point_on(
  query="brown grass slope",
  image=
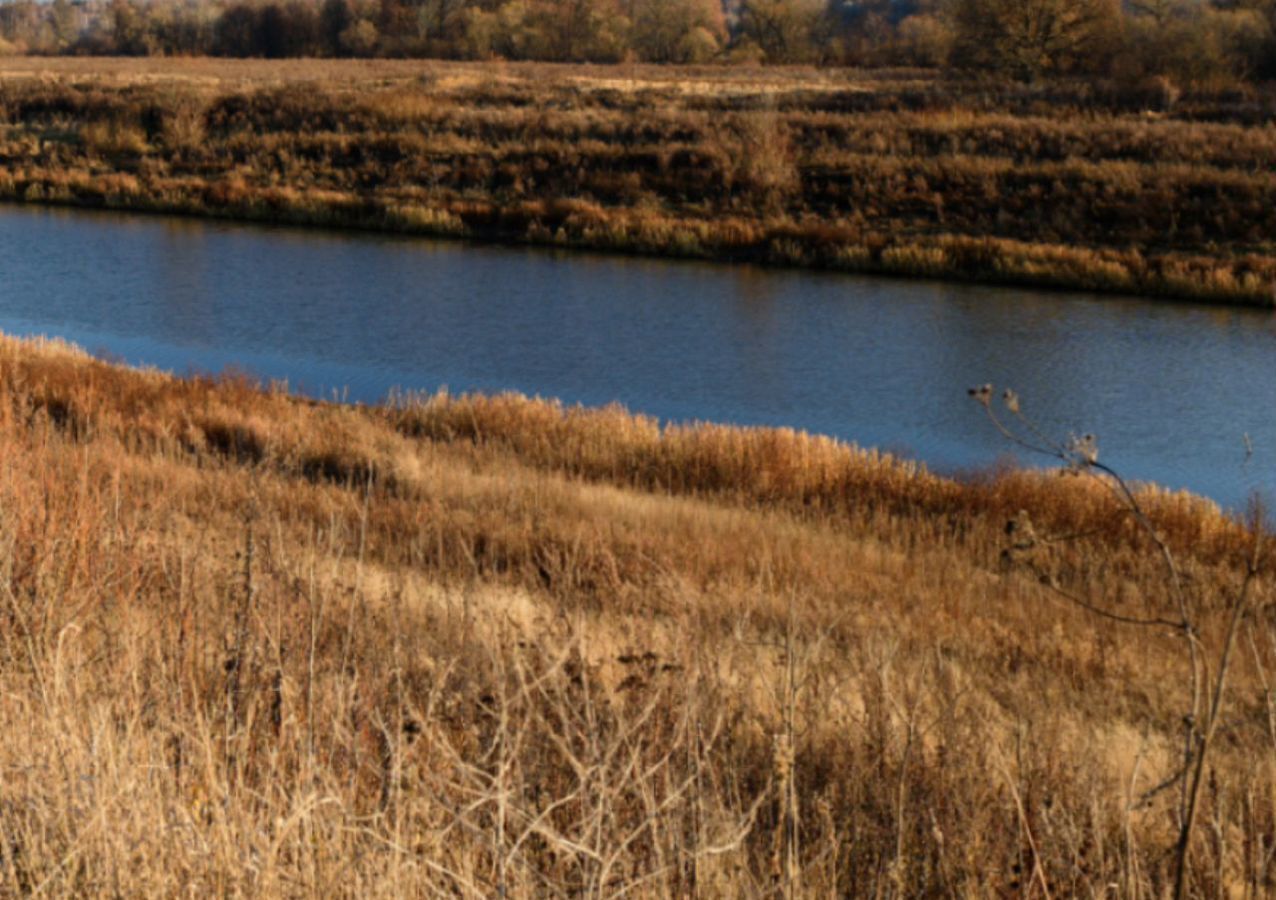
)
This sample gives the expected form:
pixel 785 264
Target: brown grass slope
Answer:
pixel 252 645
pixel 1067 185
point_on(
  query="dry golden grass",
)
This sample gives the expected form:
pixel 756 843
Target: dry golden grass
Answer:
pixel 255 645
pixel 1072 185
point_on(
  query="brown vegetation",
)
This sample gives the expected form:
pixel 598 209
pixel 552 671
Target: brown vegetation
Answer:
pixel 900 174
pixel 486 645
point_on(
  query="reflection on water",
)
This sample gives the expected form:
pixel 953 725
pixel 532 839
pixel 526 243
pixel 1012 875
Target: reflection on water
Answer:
pixel 1170 389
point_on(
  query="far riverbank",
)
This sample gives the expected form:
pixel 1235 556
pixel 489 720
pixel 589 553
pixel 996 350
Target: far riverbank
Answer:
pixel 902 173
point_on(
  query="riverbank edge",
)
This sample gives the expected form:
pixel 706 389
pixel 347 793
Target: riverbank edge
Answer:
pixel 578 225
pixel 782 468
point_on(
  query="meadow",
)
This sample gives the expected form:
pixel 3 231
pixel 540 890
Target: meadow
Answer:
pixel 478 646
pixel 1076 184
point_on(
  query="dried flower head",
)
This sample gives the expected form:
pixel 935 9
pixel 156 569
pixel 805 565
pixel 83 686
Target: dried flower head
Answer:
pixel 982 394
pixel 1085 448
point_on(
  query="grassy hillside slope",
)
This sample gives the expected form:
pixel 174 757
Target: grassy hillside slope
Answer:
pixel 254 645
pixel 1071 185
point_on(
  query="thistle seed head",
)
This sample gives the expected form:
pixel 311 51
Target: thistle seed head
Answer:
pixel 982 394
pixel 1085 448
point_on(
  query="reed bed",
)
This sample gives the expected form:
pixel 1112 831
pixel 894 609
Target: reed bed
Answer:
pixel 1071 185
pixel 474 646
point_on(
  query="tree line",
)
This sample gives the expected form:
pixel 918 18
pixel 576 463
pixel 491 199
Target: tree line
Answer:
pixel 1185 42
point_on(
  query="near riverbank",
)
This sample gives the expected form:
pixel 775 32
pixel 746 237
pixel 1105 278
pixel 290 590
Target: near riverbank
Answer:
pixel 487 645
pixel 1077 185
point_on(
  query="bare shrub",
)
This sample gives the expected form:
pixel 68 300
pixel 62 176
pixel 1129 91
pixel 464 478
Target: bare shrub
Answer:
pixel 762 156
pixel 185 126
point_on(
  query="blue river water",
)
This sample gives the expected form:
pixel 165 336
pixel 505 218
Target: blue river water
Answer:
pixel 1176 393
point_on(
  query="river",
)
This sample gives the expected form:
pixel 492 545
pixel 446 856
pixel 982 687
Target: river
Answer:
pixel 1173 391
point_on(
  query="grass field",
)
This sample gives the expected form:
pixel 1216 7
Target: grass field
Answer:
pixel 464 646
pixel 1078 185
